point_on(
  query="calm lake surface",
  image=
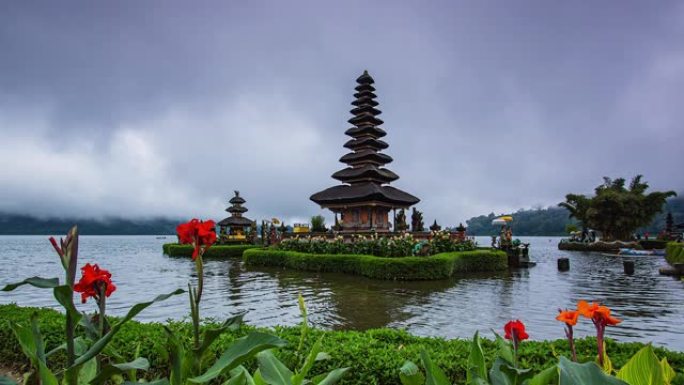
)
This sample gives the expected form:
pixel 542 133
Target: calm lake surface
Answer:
pixel 651 306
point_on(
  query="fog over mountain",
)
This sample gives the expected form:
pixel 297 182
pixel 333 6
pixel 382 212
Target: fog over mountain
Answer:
pixel 163 108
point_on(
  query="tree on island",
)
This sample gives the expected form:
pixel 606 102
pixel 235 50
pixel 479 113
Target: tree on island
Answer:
pixel 318 224
pixel 615 210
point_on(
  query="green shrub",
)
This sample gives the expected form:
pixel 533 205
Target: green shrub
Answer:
pixel 674 253
pixel 379 245
pixel 374 356
pixel 216 251
pixel 438 266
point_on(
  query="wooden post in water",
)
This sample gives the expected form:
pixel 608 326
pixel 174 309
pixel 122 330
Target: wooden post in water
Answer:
pixel 563 264
pixel 628 266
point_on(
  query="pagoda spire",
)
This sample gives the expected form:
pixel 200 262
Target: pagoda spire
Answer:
pixel 365 160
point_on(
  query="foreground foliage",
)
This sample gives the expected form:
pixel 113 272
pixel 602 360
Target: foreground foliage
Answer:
pixel 674 253
pixel 374 356
pixel 216 251
pixel 438 266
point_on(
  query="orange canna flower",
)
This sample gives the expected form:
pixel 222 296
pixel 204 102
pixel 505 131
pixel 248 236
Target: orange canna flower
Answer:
pixel 587 310
pixel 603 314
pixel 569 317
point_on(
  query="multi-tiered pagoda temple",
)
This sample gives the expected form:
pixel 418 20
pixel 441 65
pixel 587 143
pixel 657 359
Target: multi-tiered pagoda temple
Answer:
pixel 364 200
pixel 235 226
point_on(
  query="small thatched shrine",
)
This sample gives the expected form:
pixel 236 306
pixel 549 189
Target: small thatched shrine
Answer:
pixel 235 227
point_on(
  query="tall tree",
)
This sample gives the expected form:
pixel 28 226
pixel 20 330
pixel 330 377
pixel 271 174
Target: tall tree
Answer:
pixel 616 210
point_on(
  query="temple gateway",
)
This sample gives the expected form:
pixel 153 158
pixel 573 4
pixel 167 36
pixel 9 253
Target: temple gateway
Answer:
pixel 364 200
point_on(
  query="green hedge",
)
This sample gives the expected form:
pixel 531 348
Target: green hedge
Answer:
pixel 374 356
pixel 216 251
pixel 438 266
pixel 674 253
pixel 652 244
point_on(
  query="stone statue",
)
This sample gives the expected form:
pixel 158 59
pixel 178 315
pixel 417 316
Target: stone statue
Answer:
pixel 401 221
pixel 417 221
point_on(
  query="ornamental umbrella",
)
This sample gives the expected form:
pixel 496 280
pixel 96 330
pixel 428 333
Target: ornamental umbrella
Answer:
pixel 499 222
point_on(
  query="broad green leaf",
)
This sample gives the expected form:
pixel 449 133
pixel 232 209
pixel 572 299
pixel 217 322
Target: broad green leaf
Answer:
pixel 176 354
pixel 545 377
pixel 571 373
pixel 505 350
pixel 272 370
pixel 87 372
pixel 642 369
pixel 258 380
pixel 211 334
pixel 102 342
pixel 240 351
pixel 238 379
pixel 476 361
pixel 433 374
pixel 607 363
pixel 497 376
pixel 409 374
pixel 25 336
pixel 7 381
pixel 80 347
pixel 333 377
pixel 64 295
pixel 109 370
pixel 242 370
pixel 298 378
pixel 668 373
pixel 42 283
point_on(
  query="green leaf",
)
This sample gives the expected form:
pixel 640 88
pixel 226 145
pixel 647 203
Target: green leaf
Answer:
pixel 333 377
pixel 87 372
pixel 298 378
pixel 240 351
pixel 497 375
pixel 272 370
pixel 571 373
pixel 241 370
pixel 668 373
pixel 476 361
pixel 433 374
pixel 505 350
pixel 176 354
pixel 42 283
pixel 238 379
pixel 211 334
pixel 102 342
pixel 643 369
pixel 109 370
pixel 30 347
pixel 65 296
pixel 545 377
pixel 409 374
pixel 80 347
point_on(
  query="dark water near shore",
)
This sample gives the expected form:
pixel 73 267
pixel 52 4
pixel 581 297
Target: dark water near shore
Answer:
pixel 652 306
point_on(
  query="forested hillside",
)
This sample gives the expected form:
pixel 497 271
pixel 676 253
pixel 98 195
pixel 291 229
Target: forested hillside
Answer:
pixel 553 220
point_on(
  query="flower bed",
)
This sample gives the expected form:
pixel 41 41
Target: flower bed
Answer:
pixel 438 266
pixel 674 253
pixel 374 356
pixel 216 251
pixel 378 245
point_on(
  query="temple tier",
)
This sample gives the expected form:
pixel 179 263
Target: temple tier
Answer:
pixel 363 200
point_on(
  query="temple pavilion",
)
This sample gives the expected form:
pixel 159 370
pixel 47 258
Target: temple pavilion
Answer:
pixel 235 227
pixel 364 198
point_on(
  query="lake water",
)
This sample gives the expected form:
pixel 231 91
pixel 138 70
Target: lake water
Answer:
pixel 651 306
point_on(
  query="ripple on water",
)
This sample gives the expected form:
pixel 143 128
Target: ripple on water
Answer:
pixel 649 304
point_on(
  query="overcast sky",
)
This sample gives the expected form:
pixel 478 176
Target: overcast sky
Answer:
pixel 153 108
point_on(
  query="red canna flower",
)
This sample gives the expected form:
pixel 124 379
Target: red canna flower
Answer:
pixel 92 281
pixel 200 234
pixel 515 330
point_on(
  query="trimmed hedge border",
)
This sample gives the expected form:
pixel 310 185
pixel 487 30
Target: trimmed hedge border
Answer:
pixel 674 253
pixel 374 356
pixel 439 266
pixel 216 251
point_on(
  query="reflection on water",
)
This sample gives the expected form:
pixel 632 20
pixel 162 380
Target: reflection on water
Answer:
pixel 650 304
